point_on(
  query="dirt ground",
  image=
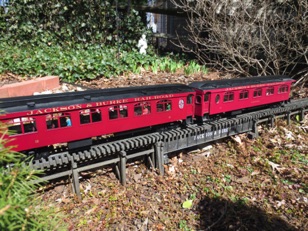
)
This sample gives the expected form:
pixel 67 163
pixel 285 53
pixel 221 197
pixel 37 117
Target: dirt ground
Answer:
pixel 148 78
pixel 233 184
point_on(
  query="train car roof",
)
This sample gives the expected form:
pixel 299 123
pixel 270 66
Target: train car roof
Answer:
pixel 227 83
pixel 15 104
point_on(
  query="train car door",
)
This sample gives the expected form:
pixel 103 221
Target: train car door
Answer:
pixel 198 105
pixel 206 102
pixel 189 104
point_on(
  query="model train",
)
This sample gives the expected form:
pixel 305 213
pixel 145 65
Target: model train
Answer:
pixel 37 123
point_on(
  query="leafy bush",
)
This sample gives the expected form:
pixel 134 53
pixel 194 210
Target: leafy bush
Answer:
pixel 83 62
pixel 70 64
pixel 19 210
pixel 55 21
pixel 76 40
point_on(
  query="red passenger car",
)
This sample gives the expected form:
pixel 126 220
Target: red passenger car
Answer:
pixel 75 118
pixel 232 96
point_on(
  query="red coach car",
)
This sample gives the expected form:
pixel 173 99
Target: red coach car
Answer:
pixel 232 96
pixel 75 118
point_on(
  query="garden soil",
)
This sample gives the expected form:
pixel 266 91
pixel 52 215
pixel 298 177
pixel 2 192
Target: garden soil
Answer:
pixel 232 184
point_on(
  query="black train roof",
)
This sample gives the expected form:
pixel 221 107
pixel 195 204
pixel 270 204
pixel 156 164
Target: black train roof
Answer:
pixel 15 104
pixel 224 83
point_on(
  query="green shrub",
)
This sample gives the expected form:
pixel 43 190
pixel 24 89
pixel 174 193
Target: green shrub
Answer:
pixel 76 40
pixel 82 62
pixel 73 22
pixel 19 208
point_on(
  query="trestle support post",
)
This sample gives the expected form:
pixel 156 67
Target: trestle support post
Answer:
pixel 75 179
pixel 301 115
pixel 254 133
pixel 122 167
pixel 272 121
pixel 288 118
pixel 159 157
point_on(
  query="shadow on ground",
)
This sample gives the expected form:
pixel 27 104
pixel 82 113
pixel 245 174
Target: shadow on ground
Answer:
pixel 219 214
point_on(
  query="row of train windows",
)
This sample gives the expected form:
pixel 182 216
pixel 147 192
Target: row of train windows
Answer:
pixel 144 108
pixel 60 120
pixel 229 96
pixel 28 124
pixel 21 125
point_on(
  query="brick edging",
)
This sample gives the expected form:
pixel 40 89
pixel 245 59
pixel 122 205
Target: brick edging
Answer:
pixel 29 87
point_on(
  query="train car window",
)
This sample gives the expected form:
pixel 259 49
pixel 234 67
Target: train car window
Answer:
pixel 244 94
pixel 118 111
pixel 22 125
pixel 90 116
pixel 217 98
pixel 113 112
pixel 257 92
pixel 14 126
pixel 189 99
pixel 228 96
pixel 164 105
pixel 206 97
pixel 270 91
pixel 142 108
pixel 58 120
pixel 85 116
pixel 123 111
pixel 96 115
pixel 283 89
pixel 198 99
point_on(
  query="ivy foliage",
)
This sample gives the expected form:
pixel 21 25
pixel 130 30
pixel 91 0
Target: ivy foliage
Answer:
pixel 76 40
pixel 86 63
pixel 68 22
pixel 70 64
pixel 19 208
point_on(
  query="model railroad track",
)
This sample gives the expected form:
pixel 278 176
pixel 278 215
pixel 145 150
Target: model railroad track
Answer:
pixel 155 147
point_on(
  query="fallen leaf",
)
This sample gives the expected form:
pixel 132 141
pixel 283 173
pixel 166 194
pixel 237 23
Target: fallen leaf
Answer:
pixel 243 180
pixel 160 227
pixel 230 165
pixel 206 154
pixel 88 188
pixel 187 204
pixel 91 210
pixel 137 177
pixel 256 172
pixel 237 139
pixel 171 170
pixel 207 148
pixel 276 167
pixel 280 203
